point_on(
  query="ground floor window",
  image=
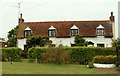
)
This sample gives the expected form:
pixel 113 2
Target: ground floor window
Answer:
pixel 72 45
pixel 90 43
pixel 100 45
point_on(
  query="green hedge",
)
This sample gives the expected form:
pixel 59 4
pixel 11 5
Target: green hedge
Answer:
pixel 110 59
pixel 36 53
pixel 81 55
pixel 11 54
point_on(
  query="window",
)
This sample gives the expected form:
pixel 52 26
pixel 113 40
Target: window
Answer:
pixel 100 45
pixel 100 32
pixel 74 32
pixel 52 31
pixel 27 33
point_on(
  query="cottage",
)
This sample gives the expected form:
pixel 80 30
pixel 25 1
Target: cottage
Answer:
pixel 97 32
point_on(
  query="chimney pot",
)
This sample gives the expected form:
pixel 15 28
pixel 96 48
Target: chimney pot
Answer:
pixel 111 13
pixel 112 17
pixel 21 15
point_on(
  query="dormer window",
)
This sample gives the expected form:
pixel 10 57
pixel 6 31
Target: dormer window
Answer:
pixel 27 32
pixel 52 31
pixel 74 30
pixel 100 30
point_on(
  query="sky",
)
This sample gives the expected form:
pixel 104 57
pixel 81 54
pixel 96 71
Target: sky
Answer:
pixel 55 10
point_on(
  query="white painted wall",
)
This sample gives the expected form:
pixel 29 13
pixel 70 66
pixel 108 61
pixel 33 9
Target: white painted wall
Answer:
pixel 21 43
pixel 68 41
pixel 63 41
pixel 100 40
pixel 96 40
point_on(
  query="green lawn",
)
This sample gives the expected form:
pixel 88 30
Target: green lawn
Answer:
pixel 36 68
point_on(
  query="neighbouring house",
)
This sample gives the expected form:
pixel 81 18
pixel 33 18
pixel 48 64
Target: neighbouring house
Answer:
pixel 97 32
pixel 2 42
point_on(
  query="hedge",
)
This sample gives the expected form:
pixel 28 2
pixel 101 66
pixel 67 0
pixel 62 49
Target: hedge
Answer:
pixel 35 53
pixel 11 54
pixel 81 55
pixel 110 59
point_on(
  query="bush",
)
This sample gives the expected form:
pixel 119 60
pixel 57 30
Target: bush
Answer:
pixel 81 55
pixel 110 59
pixel 11 54
pixel 90 64
pixel 56 55
pixel 35 53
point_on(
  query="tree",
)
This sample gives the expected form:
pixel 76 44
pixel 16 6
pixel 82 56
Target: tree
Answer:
pixel 116 44
pixel 79 41
pixel 33 41
pixel 12 40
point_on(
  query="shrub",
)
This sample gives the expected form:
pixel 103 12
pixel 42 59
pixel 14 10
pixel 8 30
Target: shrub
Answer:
pixel 35 53
pixel 90 64
pixel 110 59
pixel 56 55
pixel 11 54
pixel 81 55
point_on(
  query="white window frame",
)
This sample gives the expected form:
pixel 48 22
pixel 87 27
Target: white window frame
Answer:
pixel 52 33
pixel 74 32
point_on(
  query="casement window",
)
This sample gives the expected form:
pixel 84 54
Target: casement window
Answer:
pixel 100 30
pixel 74 30
pixel 27 32
pixel 100 45
pixel 52 31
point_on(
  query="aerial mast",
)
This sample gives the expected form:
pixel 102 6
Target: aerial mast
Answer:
pixel 19 7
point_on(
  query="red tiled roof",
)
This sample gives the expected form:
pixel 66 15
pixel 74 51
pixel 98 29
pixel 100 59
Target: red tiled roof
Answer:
pixel 86 28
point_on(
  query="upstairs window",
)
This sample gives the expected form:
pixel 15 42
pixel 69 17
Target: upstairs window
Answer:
pixel 100 30
pixel 27 32
pixel 74 30
pixel 52 32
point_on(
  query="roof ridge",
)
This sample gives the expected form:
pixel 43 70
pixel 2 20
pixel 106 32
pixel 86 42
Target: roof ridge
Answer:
pixel 68 21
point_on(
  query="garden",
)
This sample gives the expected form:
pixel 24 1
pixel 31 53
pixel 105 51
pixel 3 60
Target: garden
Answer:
pixel 58 60
pixel 79 59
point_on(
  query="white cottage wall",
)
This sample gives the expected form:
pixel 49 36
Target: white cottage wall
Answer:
pixel 100 40
pixel 21 43
pixel 68 41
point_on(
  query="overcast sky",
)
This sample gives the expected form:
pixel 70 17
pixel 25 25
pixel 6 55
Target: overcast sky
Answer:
pixel 54 10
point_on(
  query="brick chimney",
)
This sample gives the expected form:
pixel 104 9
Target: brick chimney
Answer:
pixel 112 17
pixel 21 20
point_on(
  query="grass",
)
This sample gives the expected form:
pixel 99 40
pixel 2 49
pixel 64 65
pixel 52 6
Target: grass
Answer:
pixel 36 68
